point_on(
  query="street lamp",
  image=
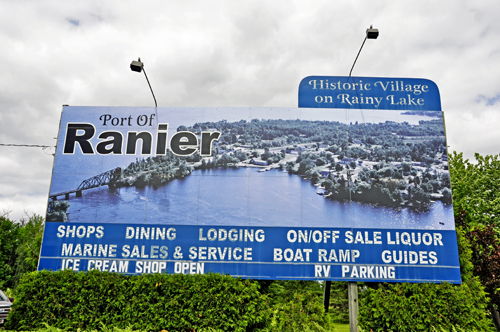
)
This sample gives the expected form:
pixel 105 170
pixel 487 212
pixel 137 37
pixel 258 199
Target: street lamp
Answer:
pixel 370 34
pixel 352 287
pixel 138 66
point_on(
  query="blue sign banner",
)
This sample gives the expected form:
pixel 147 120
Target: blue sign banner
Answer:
pixel 379 93
pixel 263 193
pixel 254 252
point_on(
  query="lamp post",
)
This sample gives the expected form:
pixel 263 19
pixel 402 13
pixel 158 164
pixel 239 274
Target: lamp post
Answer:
pixel 370 34
pixel 138 66
pixel 352 287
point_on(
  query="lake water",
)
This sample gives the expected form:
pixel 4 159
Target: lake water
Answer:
pixel 70 170
pixel 244 197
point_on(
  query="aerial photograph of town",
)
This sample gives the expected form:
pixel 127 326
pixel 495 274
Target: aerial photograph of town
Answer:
pixel 393 171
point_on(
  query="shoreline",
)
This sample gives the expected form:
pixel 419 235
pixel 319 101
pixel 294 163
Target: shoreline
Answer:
pixel 365 215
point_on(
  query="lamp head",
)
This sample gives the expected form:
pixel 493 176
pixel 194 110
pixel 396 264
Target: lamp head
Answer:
pixel 137 65
pixel 371 33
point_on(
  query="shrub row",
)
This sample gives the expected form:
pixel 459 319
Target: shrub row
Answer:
pixel 211 302
pixel 418 307
pixel 155 302
pixel 424 307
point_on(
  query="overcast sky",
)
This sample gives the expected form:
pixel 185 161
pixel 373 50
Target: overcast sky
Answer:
pixel 229 53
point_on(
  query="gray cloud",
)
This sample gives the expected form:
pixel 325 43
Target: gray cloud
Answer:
pixel 228 53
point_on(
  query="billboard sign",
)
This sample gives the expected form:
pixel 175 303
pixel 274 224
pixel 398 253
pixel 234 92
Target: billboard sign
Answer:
pixel 264 193
pixel 378 93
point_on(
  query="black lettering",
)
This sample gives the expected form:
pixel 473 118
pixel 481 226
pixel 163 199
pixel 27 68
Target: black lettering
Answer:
pixel 146 138
pixel 105 118
pixel 72 138
pixel 161 144
pixel 142 120
pixel 206 142
pixel 116 142
pixel 180 142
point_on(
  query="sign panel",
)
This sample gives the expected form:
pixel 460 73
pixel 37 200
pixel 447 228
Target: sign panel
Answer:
pixel 264 193
pixel 380 93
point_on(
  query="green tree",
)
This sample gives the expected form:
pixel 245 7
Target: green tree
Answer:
pixel 406 166
pixel 19 248
pixel 419 196
pixel 9 241
pixel 58 211
pixel 28 249
pixel 445 180
pixel 305 165
pixel 476 189
pixel 298 306
pixel 446 196
pixel 476 203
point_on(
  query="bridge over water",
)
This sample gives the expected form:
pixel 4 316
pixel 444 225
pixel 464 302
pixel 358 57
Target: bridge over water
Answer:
pixel 106 178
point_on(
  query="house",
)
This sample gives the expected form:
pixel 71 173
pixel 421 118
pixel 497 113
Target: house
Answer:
pixel 325 173
pixel 258 162
pixel 346 160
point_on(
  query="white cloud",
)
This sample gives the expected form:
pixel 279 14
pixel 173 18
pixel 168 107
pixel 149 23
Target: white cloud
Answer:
pixel 229 53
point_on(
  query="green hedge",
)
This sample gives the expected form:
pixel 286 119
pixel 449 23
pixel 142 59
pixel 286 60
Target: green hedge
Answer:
pixel 155 302
pixel 428 307
pixel 419 307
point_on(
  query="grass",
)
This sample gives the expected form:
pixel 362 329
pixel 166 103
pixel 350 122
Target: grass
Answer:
pixel 341 327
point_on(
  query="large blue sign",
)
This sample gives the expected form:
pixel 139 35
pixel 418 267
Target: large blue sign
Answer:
pixel 281 193
pixel 380 93
pixel 255 252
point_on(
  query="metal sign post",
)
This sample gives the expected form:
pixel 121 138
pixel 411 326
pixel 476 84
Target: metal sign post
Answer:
pixel 352 289
pixel 326 294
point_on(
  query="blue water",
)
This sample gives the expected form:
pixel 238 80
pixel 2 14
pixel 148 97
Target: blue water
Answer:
pixel 70 170
pixel 244 197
